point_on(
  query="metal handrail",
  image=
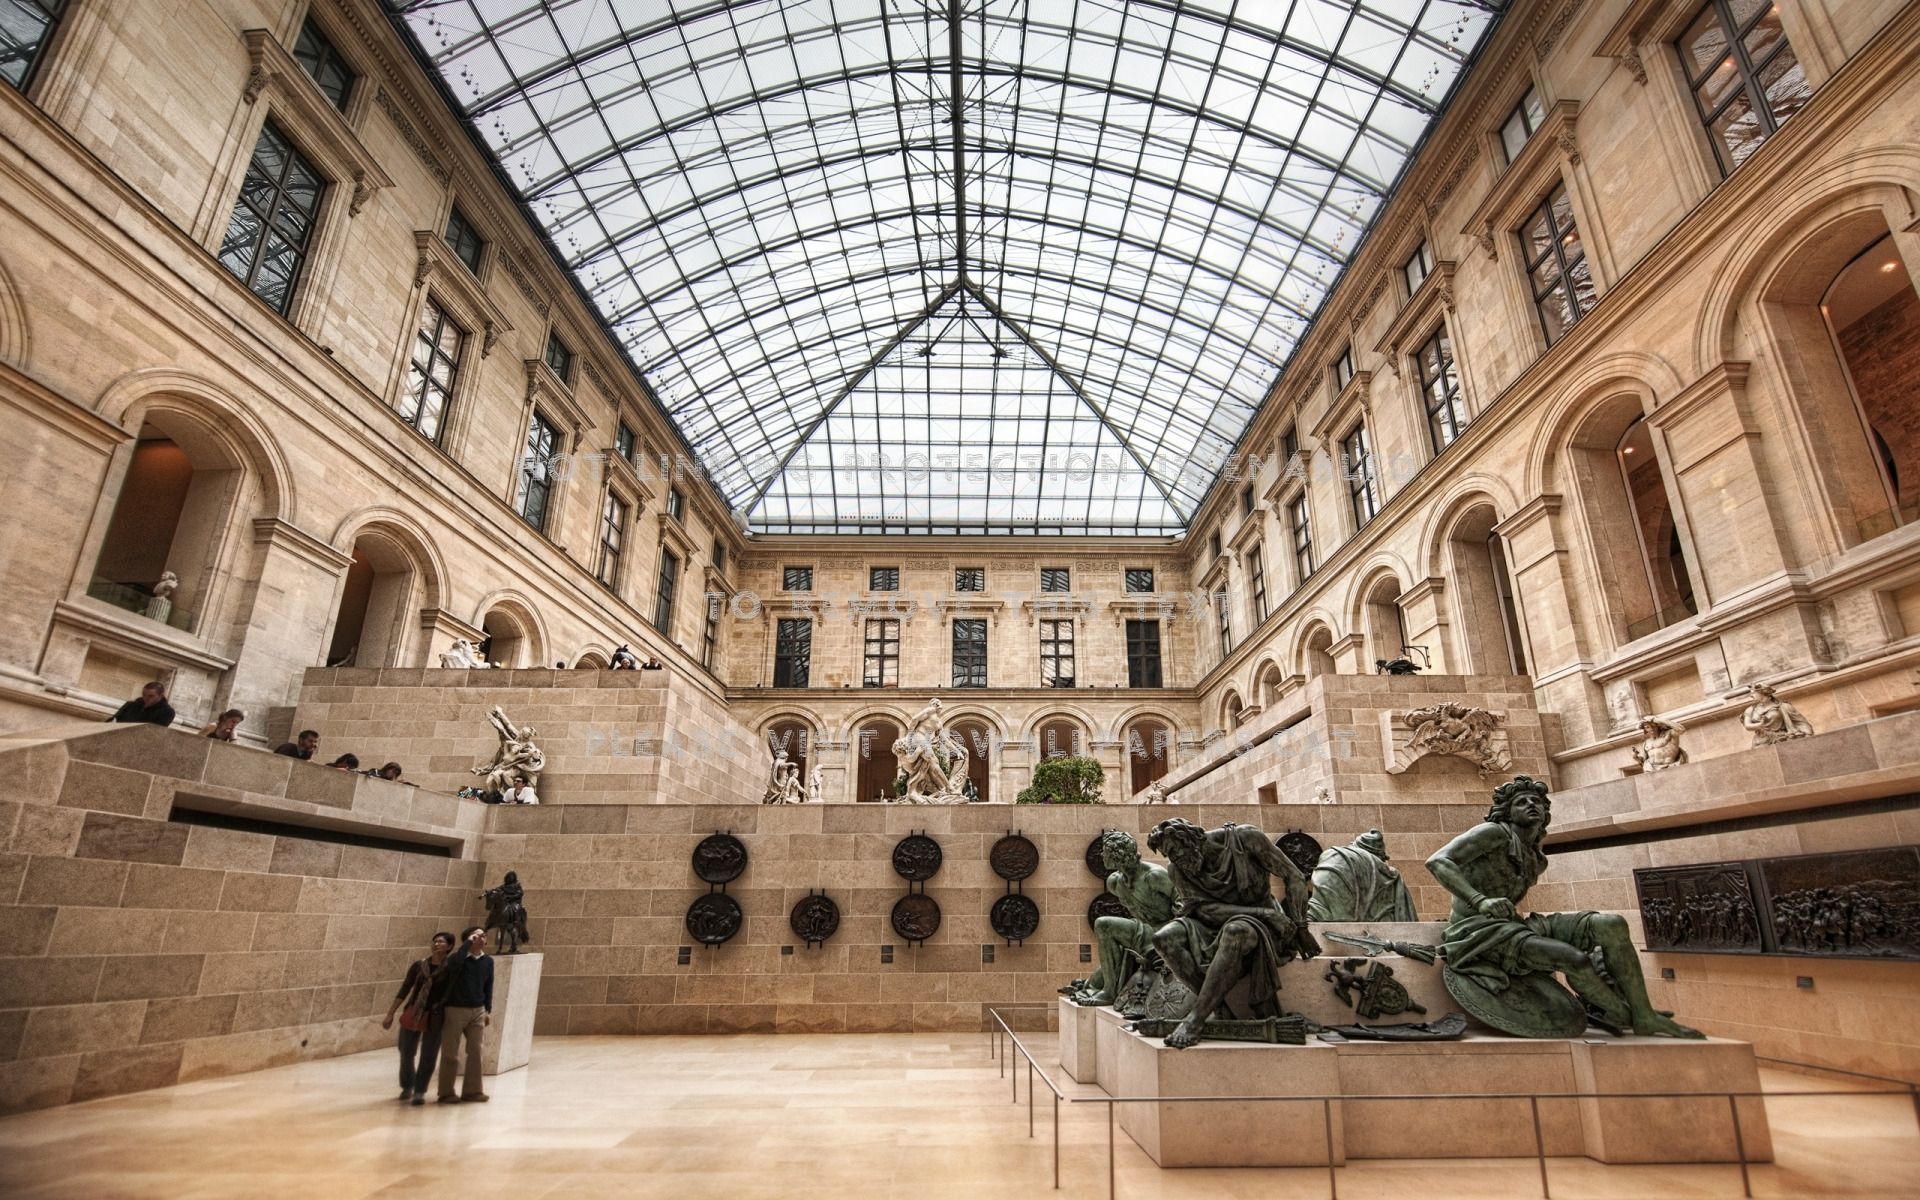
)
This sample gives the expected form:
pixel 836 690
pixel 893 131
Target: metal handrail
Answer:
pixel 996 1050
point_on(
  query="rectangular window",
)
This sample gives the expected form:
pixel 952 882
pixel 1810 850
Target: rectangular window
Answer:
pixel 883 579
pixel 1055 579
pixel 613 533
pixel 710 637
pixel 970 652
pixel 559 356
pixel 1257 580
pixel 1246 500
pixel 1302 526
pixel 322 61
pixel 536 472
pixel 882 656
pixel 1440 390
pixel 1362 485
pixel 1213 544
pixel 1139 579
pixel 663 601
pixel 1143 654
pixel 676 504
pixel 26 26
pixel 1520 124
pixel 1746 80
pixel 1556 265
pixel 969 579
pixel 1343 369
pixel 1056 654
pixel 796 579
pixel 792 652
pixel 623 441
pixel 1289 445
pixel 1416 269
pixel 430 375
pixel 719 555
pixel 463 239
pixel 266 239
pixel 1221 607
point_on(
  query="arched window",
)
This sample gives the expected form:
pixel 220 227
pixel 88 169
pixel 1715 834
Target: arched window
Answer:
pixel 1491 639
pixel 978 741
pixel 1318 653
pixel 1662 556
pixel 1640 556
pixel 1268 688
pixel 370 624
pixel 1386 632
pixel 877 766
pixel 508 641
pixel 797 741
pixel 1149 753
pixel 592 660
pixel 1873 314
pixel 1060 736
pixel 1230 712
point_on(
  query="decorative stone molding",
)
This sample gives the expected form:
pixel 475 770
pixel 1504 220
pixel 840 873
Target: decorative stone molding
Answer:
pixel 1419 315
pixel 543 384
pixel 1519 188
pixel 457 288
pixel 1056 607
pixel 1445 729
pixel 323 133
pixel 1551 34
pixel 408 134
pixel 518 274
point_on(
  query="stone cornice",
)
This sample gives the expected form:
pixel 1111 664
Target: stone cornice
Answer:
pixel 33 398
pixel 272 531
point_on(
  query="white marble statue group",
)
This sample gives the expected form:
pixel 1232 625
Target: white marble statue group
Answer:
pixel 1767 717
pixel 784 786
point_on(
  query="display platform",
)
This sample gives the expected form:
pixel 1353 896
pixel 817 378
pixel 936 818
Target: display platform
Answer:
pixel 1482 1068
pixel 516 994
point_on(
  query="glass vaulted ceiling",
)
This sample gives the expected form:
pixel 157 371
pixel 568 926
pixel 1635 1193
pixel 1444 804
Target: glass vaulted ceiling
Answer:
pixel 987 265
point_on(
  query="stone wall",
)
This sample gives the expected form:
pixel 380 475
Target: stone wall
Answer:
pixel 610 737
pixel 137 952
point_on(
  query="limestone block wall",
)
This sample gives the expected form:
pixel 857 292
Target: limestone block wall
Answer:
pixel 608 889
pixel 610 737
pixel 137 952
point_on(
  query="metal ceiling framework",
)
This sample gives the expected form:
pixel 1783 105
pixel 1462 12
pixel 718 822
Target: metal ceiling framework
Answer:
pixel 969 266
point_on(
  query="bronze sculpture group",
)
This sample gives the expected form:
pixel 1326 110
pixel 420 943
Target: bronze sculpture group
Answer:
pixel 1209 933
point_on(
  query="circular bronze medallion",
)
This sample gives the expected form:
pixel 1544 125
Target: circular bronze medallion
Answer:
pixel 1301 849
pixel 1096 861
pixel 719 858
pixel 713 918
pixel 1014 917
pixel 917 858
pixel 916 917
pixel 814 918
pixel 1106 904
pixel 1014 857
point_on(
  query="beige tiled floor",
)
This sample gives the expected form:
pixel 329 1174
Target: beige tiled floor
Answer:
pixel 707 1118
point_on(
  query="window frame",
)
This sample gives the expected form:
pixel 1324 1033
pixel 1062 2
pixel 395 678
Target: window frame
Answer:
pixel 1223 605
pixel 329 55
pixel 1130 575
pixel 1300 520
pixel 1747 72
pixel 1137 649
pixel 416 397
pixel 973 650
pixel 54 12
pixel 666 587
pixel 1421 258
pixel 1051 575
pixel 792 656
pixel 303 251
pixel 1556 244
pixel 1530 122
pixel 612 541
pixel 527 479
pixel 559 357
pixel 1452 403
pixel 789 573
pixel 677 504
pixel 1343 370
pixel 880 648
pixel 1056 650
pixel 976 577
pixel 455 240
pixel 624 441
pixel 710 634
pixel 883 579
pixel 1363 486
pixel 1257 584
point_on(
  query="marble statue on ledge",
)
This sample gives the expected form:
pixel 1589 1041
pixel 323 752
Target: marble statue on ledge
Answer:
pixel 1355 883
pixel 161 606
pixel 1458 730
pixel 933 760
pixel 1125 943
pixel 1501 966
pixel 784 786
pixel 463 655
pixel 1771 719
pixel 1659 746
pixel 1156 793
pixel 1227 925
pixel 507 912
pixel 816 784
pixel 516 755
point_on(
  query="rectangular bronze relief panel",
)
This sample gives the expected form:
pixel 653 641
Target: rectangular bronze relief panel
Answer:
pixel 1851 904
pixel 1700 909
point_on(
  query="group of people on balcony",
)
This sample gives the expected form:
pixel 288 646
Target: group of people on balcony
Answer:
pixel 151 707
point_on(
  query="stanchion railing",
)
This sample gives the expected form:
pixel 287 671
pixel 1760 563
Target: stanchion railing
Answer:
pixel 1003 1037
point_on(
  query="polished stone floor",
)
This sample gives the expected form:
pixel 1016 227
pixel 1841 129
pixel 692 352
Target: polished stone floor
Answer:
pixel 921 1116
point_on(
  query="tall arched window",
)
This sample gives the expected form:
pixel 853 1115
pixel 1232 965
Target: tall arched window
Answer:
pixel 1662 556
pixel 978 741
pixel 1149 753
pixel 1059 737
pixel 1490 637
pixel 877 767
pixel 1386 632
pixel 1873 313
pixel 1640 557
pixel 370 624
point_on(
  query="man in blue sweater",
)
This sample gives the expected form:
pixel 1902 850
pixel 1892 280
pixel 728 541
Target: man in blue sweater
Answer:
pixel 469 1010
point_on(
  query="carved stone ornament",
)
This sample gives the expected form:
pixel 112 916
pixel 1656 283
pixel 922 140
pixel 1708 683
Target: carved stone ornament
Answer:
pixel 1452 730
pixel 713 918
pixel 1014 858
pixel 1636 68
pixel 719 858
pixel 815 918
pixel 917 858
pixel 916 917
pixel 1014 917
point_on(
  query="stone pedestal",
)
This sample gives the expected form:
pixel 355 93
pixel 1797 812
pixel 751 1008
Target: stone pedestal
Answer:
pixel 1079 1041
pixel 1481 1068
pixel 516 993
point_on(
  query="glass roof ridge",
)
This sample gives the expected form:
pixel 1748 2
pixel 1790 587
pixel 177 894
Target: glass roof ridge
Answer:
pixel 773 203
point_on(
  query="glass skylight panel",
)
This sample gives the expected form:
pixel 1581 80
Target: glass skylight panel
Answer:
pixel 761 198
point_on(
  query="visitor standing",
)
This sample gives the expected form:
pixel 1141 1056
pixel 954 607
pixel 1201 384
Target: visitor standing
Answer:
pixel 150 707
pixel 420 1018
pixel 304 748
pixel 468 1007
